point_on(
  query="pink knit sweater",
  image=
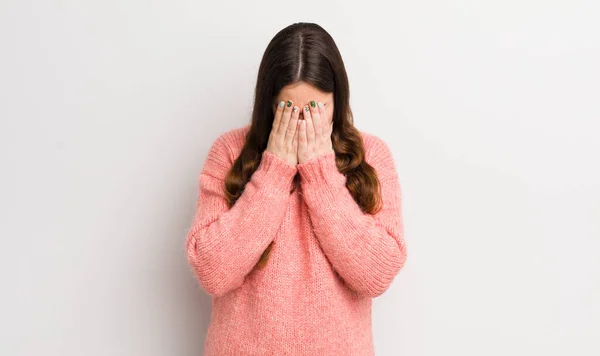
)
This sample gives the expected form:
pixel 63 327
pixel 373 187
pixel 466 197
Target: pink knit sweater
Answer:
pixel 329 259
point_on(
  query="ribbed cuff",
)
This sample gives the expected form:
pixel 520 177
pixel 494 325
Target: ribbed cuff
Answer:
pixel 321 169
pixel 275 173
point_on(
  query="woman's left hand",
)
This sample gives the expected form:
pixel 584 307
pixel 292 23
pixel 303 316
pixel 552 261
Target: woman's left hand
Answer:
pixel 314 135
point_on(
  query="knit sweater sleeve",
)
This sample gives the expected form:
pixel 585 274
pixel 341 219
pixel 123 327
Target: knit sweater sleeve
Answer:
pixel 224 244
pixel 367 251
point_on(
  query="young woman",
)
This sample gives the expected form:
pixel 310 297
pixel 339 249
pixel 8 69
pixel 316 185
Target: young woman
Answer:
pixel 298 223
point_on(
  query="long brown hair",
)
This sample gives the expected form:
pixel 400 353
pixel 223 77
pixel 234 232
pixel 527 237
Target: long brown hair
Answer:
pixel 305 52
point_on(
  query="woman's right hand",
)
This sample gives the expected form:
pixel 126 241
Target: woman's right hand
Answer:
pixel 283 140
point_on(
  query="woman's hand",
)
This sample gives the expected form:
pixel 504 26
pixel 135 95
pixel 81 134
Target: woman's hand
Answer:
pixel 314 134
pixel 283 140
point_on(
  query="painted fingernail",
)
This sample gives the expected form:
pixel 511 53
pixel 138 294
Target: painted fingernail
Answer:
pixel 295 109
pixel 289 103
pixel 312 103
pixel 281 104
pixel 320 104
pixel 306 108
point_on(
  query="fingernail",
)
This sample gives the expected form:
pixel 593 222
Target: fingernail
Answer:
pixel 312 103
pixel 295 109
pixel 281 104
pixel 306 108
pixel 320 104
pixel 289 103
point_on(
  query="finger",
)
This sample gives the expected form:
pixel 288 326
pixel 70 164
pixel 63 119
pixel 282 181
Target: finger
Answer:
pixel 310 130
pixel 316 118
pixel 302 139
pixel 292 126
pixel 278 115
pixel 296 135
pixel 327 129
pixel 285 118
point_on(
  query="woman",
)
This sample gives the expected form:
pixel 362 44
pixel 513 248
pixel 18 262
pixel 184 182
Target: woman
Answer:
pixel 298 223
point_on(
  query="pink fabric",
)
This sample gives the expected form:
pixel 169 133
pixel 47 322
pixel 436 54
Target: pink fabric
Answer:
pixel 329 259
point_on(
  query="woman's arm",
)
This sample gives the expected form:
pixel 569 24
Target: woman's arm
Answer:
pixel 223 245
pixel 367 251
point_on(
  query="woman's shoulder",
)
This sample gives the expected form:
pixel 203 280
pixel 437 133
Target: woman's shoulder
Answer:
pixel 233 135
pixel 379 155
pixel 233 139
pixel 223 151
pixel 374 145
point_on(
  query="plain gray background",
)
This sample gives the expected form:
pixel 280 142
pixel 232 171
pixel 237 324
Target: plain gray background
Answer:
pixel 108 109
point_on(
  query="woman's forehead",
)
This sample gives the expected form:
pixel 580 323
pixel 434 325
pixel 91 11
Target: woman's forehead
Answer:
pixel 303 93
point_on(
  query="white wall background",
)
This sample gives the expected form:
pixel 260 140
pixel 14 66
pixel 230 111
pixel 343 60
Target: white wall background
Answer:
pixel 108 109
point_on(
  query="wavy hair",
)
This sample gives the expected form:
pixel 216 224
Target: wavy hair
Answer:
pixel 305 52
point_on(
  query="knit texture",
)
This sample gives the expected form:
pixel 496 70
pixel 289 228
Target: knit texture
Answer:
pixel 329 259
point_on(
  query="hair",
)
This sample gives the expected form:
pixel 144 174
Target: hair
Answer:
pixel 305 52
